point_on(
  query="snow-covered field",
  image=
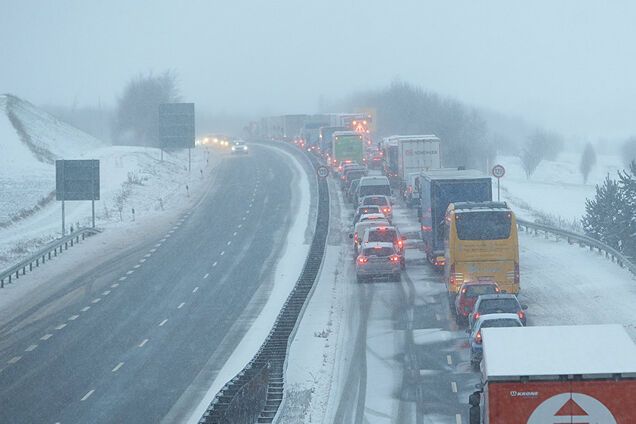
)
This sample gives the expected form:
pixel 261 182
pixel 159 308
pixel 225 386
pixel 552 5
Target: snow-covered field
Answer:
pixel 130 178
pixel 556 188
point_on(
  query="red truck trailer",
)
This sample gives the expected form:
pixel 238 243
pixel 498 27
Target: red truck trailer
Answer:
pixel 556 375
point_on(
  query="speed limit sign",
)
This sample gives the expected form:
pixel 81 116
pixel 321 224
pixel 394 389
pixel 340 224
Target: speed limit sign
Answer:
pixel 498 171
pixel 322 171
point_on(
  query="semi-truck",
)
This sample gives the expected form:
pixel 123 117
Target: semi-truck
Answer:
pixel 556 374
pixel 292 125
pixel 439 188
pixel 347 146
pixel 325 136
pixel 417 153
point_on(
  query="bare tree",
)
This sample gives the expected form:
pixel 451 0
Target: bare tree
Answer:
pixel 588 160
pixel 136 118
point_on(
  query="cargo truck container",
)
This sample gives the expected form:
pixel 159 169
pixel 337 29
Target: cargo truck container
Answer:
pixel 554 375
pixel 439 188
pixel 416 153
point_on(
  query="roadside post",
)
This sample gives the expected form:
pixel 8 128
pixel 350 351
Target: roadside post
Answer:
pixel 498 171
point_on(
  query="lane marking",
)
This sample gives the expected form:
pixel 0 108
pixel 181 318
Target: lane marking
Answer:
pixel 454 387
pixel 153 250
pixel 136 266
pixel 143 343
pixel 163 322
pixel 175 227
pixel 14 359
pixel 229 242
pixel 114 285
pixel 119 365
pixel 87 395
pixel 214 264
pixel 240 225
pixel 31 348
pixel 46 336
pixel 168 235
pixel 162 240
pixel 142 260
pixel 223 253
pixel 96 300
pixel 85 308
pixel 449 360
pixel 73 317
pixel 207 275
pixel 122 278
pixel 194 290
pixel 437 317
pixel 156 245
pixel 170 232
pixel 244 218
pixel 59 327
pixel 181 305
pixel 458 418
pixel 247 211
pixel 234 233
pixel 147 255
pixel 106 292
pixel 129 272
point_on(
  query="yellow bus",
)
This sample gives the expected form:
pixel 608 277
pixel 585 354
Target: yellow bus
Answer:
pixel 481 243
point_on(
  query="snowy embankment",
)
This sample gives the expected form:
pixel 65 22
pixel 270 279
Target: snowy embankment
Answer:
pixel 555 193
pixel 130 178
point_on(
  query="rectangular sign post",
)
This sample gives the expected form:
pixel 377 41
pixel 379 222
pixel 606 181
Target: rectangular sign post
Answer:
pixel 176 127
pixel 77 180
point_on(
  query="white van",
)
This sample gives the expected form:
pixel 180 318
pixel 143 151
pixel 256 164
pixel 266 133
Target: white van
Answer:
pixel 373 186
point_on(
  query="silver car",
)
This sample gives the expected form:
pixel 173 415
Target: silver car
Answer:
pixel 378 260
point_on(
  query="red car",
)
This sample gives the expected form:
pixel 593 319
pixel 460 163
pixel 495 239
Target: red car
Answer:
pixel 468 294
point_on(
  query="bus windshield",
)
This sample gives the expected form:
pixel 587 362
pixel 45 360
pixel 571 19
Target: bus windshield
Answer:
pixel 483 225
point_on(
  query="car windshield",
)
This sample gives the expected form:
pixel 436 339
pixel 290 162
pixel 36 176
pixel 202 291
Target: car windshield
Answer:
pixel 502 322
pixel 375 200
pixel 382 235
pixel 473 291
pixel 374 189
pixel 378 251
pixel 498 305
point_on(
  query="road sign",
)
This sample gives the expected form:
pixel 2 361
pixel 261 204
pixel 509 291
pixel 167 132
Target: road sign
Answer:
pixel 77 179
pixel 176 125
pixel 498 171
pixel 322 171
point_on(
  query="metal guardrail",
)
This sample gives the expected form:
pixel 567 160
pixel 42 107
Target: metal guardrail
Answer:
pixel 256 392
pixel 581 240
pixel 44 254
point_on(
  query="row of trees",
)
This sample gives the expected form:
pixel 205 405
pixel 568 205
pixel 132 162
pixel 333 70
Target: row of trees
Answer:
pixel 403 108
pixel 136 117
pixel 611 215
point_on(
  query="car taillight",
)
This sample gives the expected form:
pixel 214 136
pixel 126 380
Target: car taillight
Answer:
pixel 476 316
pixel 362 260
pixel 395 258
pixel 400 244
pixel 478 337
pixel 516 273
pixel 355 237
pixel 386 210
pixel 521 315
pixel 427 229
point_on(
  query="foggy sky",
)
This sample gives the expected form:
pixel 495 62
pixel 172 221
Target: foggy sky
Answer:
pixel 569 65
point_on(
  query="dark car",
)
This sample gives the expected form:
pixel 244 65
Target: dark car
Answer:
pixel 351 190
pixel 502 303
pixel 364 210
pixel 468 294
